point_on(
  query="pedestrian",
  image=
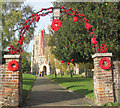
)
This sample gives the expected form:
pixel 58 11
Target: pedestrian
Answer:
pixel 40 73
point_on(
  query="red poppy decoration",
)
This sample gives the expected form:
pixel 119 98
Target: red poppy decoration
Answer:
pixel 75 19
pixel 15 52
pixel 20 42
pixel 11 52
pixel 11 68
pixel 103 48
pixel 103 66
pixel 97 46
pixel 37 18
pixel 92 34
pixel 32 15
pixel 61 61
pixel 71 60
pixel 88 26
pixel 62 7
pixel 27 27
pixel 98 50
pixel 56 24
pixel 68 63
pixel 32 20
pixel 93 41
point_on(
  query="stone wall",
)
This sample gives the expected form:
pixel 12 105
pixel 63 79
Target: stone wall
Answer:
pixel 11 83
pixel 116 79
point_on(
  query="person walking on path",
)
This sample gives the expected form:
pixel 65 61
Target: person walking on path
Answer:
pixel 40 73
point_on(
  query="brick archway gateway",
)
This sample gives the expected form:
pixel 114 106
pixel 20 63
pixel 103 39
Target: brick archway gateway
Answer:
pixel 104 86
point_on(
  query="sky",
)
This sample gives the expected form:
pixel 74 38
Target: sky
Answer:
pixel 45 21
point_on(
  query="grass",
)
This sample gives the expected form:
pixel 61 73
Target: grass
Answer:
pixel 28 80
pixel 83 86
pixel 111 104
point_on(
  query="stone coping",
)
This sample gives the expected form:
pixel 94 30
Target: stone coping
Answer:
pixel 11 56
pixel 102 55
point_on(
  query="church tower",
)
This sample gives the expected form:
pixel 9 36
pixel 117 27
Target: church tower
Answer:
pixel 38 60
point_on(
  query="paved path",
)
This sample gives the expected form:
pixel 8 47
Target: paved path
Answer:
pixel 47 93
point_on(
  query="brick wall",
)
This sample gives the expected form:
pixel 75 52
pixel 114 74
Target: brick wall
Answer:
pixel 116 79
pixel 12 83
pixel 2 75
pixel 103 84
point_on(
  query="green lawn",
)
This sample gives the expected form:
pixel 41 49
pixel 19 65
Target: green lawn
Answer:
pixel 83 86
pixel 28 80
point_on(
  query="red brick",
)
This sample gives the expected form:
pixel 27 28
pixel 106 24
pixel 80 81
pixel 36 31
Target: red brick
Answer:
pixel 14 81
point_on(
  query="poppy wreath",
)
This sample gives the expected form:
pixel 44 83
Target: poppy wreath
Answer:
pixel 108 63
pixel 56 24
pixel 13 62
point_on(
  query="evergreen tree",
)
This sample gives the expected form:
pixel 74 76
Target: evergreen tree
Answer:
pixel 73 41
pixel 25 61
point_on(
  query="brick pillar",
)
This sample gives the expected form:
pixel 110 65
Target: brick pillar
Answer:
pixel 12 83
pixel 103 83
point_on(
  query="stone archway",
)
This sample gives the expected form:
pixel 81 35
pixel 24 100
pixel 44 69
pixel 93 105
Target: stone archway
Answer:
pixel 45 67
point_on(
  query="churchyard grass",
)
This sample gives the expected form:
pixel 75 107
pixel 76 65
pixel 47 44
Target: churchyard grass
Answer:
pixel 112 104
pixel 80 85
pixel 28 80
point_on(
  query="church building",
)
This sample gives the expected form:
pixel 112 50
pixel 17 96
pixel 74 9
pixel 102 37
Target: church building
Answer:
pixel 38 60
